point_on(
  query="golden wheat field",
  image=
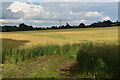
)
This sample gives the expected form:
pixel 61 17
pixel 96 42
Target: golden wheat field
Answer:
pixel 62 36
pixel 51 60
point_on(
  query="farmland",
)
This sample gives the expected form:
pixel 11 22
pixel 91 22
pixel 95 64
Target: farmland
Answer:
pixel 42 53
pixel 62 36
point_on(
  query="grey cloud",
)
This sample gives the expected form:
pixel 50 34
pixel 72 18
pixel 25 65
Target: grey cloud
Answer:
pixel 7 14
pixel 67 12
pixel 119 11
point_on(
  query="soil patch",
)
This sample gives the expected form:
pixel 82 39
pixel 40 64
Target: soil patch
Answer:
pixel 65 69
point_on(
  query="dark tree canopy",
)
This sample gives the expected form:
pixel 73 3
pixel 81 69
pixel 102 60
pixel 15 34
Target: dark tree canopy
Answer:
pixel 68 26
pixel 82 25
pixel 24 27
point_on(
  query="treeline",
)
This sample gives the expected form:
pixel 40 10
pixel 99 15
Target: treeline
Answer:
pixel 24 27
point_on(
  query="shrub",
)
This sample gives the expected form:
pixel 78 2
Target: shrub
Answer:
pixel 100 60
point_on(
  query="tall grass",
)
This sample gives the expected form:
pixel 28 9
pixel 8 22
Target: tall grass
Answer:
pixel 99 60
pixel 94 60
pixel 22 54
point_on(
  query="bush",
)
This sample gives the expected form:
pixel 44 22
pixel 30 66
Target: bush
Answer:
pixel 100 60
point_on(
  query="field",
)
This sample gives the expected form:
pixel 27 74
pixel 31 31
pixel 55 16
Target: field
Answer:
pixel 63 36
pixel 63 53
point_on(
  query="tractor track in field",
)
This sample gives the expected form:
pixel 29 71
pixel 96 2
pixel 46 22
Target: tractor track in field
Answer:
pixel 65 69
pixel 40 61
pixel 34 65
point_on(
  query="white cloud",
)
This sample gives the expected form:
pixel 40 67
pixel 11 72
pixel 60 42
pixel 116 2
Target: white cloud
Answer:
pixel 18 21
pixel 7 14
pixel 80 21
pixel 37 23
pixel 50 13
pixel 61 0
pixel 93 14
pixel 29 10
pixel 32 11
pixel 106 18
pixel 80 0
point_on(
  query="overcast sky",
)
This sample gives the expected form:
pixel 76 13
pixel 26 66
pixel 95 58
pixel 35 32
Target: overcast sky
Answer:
pixel 45 14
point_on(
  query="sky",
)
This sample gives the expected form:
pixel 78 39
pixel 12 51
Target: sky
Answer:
pixel 62 0
pixel 47 14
